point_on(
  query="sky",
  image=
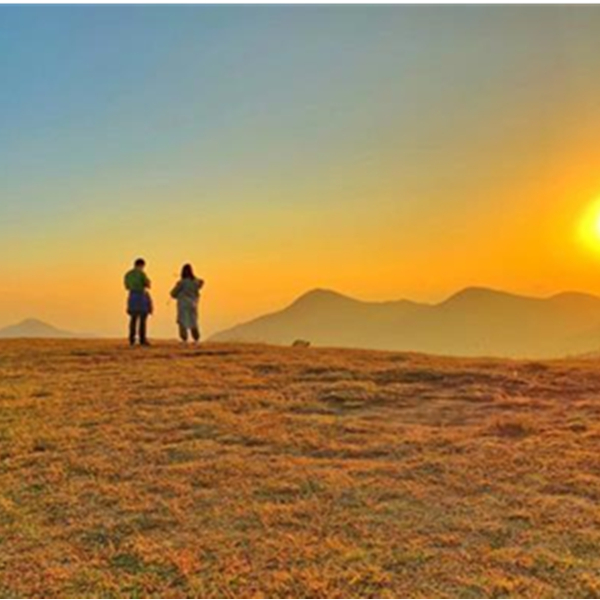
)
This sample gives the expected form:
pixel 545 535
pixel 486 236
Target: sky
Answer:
pixel 382 151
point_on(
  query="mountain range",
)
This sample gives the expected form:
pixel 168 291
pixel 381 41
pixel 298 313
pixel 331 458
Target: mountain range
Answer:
pixel 472 322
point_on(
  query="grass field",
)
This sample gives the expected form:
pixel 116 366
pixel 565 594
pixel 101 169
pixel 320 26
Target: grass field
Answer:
pixel 247 471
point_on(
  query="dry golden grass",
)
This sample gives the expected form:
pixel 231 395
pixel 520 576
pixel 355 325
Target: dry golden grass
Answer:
pixel 232 471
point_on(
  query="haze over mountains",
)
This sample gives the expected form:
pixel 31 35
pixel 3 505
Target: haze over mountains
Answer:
pixel 473 322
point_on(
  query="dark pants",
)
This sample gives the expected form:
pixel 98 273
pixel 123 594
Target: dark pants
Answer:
pixel 137 326
pixel 183 334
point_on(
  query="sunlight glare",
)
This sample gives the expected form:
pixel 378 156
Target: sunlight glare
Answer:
pixel 589 228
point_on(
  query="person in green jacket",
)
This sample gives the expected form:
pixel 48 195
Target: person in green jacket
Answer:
pixel 139 302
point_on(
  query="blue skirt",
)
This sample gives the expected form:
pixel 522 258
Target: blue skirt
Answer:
pixel 139 303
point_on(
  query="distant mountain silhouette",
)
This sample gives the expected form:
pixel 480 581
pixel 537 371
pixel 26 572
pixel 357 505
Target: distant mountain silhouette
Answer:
pixel 33 328
pixel 473 322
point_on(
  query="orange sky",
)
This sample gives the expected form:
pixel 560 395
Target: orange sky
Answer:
pixel 385 152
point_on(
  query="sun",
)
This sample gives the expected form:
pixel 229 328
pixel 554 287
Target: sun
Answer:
pixel 589 227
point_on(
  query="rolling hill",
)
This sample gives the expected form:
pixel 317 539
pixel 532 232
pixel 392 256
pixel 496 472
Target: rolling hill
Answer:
pixel 473 322
pixel 33 328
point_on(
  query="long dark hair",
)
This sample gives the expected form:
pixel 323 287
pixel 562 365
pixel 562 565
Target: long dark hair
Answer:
pixel 187 272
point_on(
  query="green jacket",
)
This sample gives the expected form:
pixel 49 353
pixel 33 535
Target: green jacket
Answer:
pixel 136 281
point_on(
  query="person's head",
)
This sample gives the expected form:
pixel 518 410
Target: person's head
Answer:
pixel 187 272
pixel 140 264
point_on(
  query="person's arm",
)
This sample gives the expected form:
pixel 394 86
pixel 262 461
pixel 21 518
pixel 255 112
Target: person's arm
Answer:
pixel 175 291
pixel 147 282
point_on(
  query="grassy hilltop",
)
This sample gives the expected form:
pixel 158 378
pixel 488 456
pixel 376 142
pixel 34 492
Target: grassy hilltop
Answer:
pixel 248 471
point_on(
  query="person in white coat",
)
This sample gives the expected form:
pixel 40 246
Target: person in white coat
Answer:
pixel 187 294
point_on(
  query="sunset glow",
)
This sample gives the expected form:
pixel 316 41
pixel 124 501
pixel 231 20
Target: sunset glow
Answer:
pixel 381 151
pixel 589 228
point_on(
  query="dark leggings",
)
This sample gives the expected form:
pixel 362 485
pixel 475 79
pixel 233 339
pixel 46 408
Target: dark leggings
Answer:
pixel 137 326
pixel 183 334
